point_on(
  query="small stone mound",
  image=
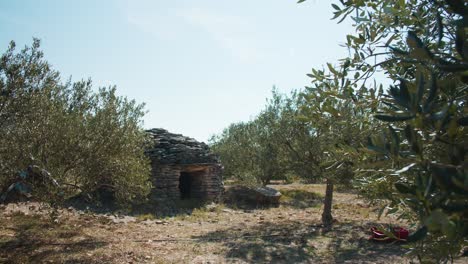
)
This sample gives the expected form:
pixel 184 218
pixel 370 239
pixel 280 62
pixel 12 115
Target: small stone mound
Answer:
pixel 247 197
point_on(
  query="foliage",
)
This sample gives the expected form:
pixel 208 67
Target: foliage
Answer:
pixel 252 152
pixel 339 118
pixel 422 47
pixel 84 139
pixel 234 146
pixel 315 134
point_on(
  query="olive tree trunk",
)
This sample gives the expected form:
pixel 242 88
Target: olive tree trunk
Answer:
pixel 327 218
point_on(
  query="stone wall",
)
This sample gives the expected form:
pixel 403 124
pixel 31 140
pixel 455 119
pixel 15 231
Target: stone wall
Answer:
pixel 171 154
pixel 207 182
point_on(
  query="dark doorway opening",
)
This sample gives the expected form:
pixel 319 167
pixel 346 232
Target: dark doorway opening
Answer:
pixel 191 184
pixel 185 185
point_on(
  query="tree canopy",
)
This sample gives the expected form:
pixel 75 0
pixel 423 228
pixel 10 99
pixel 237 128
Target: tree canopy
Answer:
pixel 84 139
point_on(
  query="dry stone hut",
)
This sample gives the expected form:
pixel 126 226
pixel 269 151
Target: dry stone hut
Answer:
pixel 183 168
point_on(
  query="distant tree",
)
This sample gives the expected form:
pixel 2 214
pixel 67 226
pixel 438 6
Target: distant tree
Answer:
pixel 82 138
pixel 259 151
pixel 249 151
pixel 235 148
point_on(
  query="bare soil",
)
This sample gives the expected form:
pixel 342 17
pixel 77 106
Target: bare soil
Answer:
pixel 290 233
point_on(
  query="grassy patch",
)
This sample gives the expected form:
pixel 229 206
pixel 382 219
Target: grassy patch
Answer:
pixel 209 212
pixel 144 217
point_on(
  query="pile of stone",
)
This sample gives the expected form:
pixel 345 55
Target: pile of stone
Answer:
pixel 172 148
pixel 245 197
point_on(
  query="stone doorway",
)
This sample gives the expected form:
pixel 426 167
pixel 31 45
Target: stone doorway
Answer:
pixel 190 184
pixel 185 185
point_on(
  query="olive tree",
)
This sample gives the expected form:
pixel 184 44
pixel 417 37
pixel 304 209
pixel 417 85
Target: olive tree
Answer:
pixel 422 47
pixel 84 139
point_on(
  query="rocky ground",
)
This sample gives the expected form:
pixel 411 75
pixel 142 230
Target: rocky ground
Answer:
pixel 290 233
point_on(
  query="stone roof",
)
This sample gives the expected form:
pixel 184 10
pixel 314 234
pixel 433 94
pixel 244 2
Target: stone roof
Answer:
pixel 172 148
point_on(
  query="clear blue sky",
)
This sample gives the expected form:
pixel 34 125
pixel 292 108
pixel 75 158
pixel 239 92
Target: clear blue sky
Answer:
pixel 198 65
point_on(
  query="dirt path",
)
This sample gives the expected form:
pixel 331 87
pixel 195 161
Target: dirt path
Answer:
pixel 213 234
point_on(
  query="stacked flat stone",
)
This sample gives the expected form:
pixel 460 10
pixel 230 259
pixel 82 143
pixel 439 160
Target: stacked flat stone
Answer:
pixel 172 148
pixel 173 154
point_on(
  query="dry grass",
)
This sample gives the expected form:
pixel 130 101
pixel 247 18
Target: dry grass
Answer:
pixel 216 234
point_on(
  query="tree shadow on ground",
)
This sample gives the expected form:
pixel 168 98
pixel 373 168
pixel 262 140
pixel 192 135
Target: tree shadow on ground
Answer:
pixel 168 208
pixel 296 242
pixel 300 199
pixel 266 242
pixel 37 240
pixel 351 244
pixel 106 204
pixel 235 197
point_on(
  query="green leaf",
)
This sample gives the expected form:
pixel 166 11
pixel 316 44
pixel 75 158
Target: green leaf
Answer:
pixel 380 212
pixel 392 211
pixel 454 207
pixel 452 67
pixel 359 40
pixel 418 235
pixel 394 118
pixel 438 220
pixel 330 67
pixel 402 4
pixel 395 147
pixel 373 147
pixel 461 43
pixel 432 94
pixel 442 176
pixel 452 129
pixel 419 50
pixel 413 139
pixel 463 121
pixel 457 6
pixel 398 52
pixel 404 189
pixel 404 93
pixel 414 41
pixel 300 1
pixel 390 39
pixel 336 7
pixel 421 85
pixel 409 132
pixel 401 95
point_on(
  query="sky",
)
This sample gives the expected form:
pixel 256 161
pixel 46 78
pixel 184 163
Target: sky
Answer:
pixel 197 65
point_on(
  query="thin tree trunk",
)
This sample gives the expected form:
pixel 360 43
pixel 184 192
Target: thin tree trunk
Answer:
pixel 327 218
